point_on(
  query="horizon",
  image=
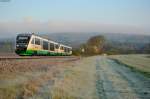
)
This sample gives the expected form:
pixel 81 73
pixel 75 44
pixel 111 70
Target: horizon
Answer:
pixel 86 16
pixel 58 34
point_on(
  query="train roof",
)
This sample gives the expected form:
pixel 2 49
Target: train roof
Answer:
pixel 30 34
pixel 24 34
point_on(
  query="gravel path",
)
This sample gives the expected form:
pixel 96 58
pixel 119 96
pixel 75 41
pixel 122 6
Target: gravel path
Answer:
pixel 115 81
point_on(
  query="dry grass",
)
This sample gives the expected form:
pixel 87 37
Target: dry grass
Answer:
pixel 10 92
pixel 30 88
pixel 138 62
pixel 78 82
pixel 72 80
pixel 22 78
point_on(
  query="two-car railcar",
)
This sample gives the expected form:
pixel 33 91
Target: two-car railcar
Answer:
pixel 31 44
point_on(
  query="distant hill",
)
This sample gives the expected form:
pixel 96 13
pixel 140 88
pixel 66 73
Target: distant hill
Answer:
pixel 75 39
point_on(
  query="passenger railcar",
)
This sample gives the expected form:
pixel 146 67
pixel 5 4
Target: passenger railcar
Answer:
pixel 31 44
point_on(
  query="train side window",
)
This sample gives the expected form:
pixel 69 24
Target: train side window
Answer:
pixel 32 42
pixel 52 46
pixel 56 46
pixel 45 45
pixel 65 49
pixel 37 41
pixel 68 49
pixel 62 48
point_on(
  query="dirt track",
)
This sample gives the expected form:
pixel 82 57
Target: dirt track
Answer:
pixel 115 81
pixel 88 78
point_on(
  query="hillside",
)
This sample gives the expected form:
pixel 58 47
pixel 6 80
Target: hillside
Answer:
pixel 124 41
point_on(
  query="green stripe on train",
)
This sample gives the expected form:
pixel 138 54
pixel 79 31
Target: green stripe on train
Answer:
pixel 25 52
pixel 39 52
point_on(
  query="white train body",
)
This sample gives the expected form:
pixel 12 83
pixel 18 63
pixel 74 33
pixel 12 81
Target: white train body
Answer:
pixel 30 44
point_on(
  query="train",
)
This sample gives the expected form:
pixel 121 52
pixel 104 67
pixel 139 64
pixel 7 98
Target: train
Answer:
pixel 34 45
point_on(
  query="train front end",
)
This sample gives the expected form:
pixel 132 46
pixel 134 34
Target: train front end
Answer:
pixel 22 41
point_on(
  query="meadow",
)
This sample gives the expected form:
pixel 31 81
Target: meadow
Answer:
pixel 136 62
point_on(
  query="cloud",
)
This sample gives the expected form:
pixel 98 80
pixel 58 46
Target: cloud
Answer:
pixel 30 25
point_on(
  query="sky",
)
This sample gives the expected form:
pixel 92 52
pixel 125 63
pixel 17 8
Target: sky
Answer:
pixel 51 16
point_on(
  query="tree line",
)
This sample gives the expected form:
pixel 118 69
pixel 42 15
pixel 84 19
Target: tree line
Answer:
pixel 94 46
pixel 100 45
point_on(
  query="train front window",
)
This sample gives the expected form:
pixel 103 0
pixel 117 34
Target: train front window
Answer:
pixel 23 39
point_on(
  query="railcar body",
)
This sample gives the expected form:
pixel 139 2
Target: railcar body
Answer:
pixel 31 44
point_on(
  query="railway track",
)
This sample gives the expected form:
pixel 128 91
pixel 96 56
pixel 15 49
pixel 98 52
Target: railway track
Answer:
pixel 38 57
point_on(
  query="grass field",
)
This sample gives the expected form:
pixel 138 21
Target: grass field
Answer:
pixel 94 77
pixel 138 62
pixel 47 78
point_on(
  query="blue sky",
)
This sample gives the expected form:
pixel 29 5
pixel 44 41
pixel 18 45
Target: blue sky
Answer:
pixel 81 14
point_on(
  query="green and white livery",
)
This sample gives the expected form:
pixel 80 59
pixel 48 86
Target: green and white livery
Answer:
pixel 31 44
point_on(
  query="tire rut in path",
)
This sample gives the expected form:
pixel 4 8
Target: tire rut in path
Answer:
pixel 99 83
pixel 139 83
pixel 104 86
